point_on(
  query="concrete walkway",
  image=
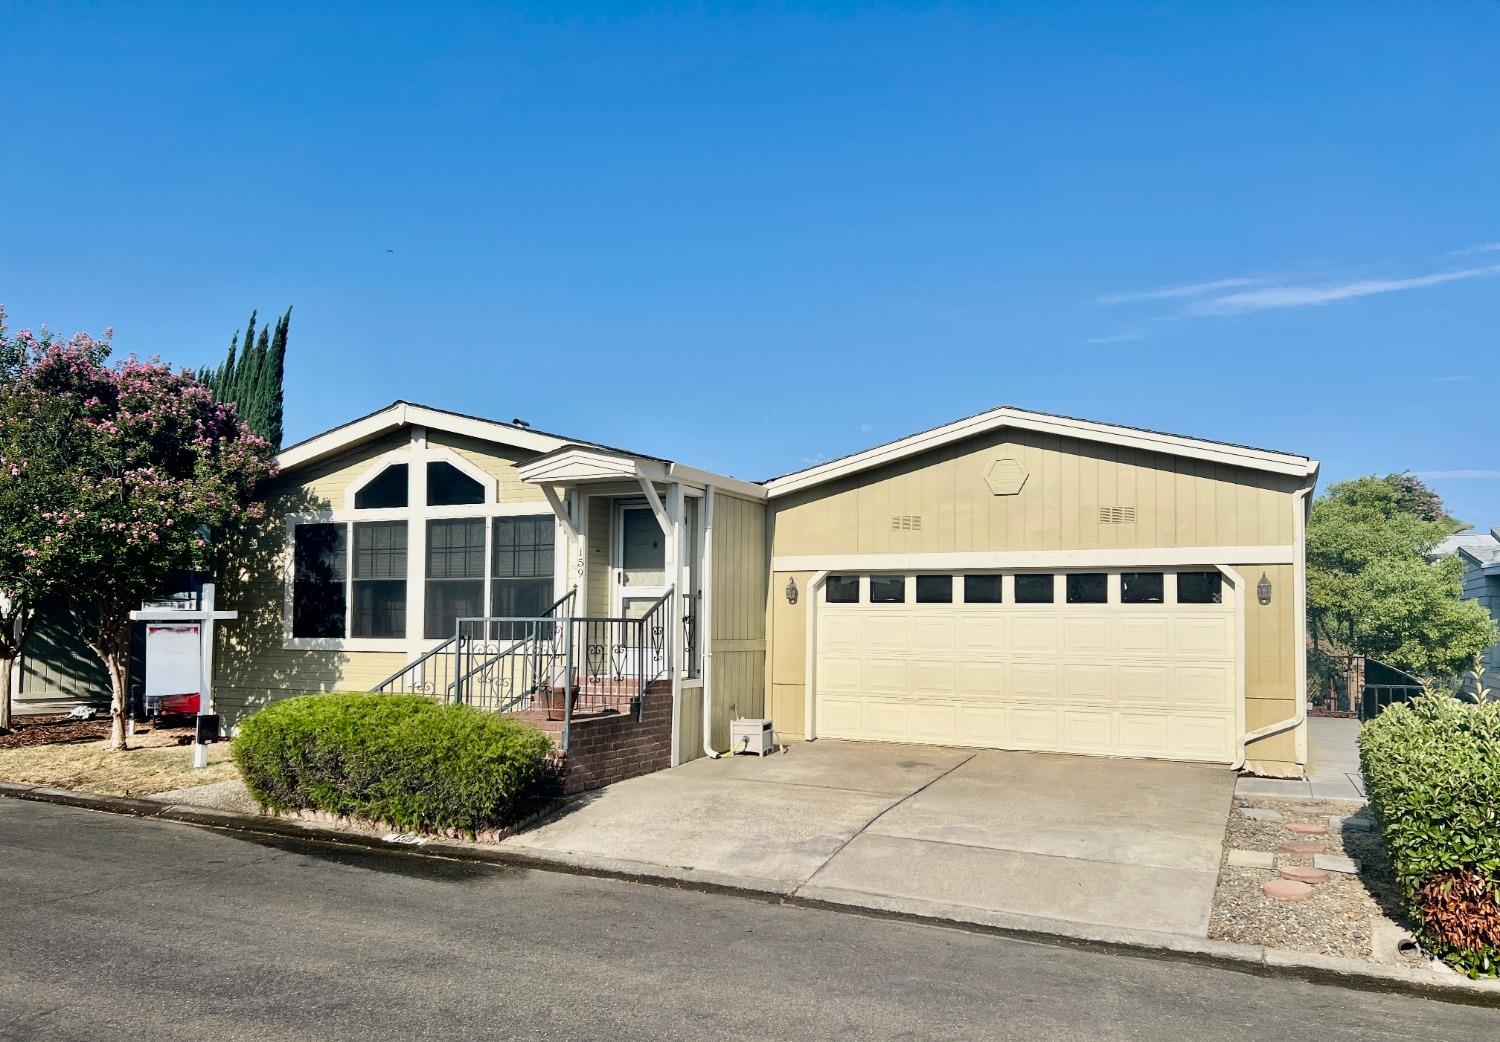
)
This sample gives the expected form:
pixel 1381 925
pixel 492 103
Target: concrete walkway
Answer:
pixel 1332 766
pixel 1129 844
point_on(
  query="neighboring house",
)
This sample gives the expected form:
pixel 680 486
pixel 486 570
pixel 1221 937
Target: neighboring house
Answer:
pixel 1013 579
pixel 1480 553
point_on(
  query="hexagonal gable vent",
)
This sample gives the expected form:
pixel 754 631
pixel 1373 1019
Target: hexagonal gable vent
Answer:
pixel 1005 477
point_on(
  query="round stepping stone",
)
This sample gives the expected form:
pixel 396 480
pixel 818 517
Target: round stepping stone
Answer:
pixel 1301 846
pixel 1305 828
pixel 1304 874
pixel 1287 890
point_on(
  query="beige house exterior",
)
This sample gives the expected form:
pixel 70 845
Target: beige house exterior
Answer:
pixel 1013 579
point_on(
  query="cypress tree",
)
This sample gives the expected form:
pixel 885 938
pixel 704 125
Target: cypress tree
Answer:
pixel 251 376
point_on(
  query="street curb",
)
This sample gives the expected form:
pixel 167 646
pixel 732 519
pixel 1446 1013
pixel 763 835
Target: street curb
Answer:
pixel 1240 958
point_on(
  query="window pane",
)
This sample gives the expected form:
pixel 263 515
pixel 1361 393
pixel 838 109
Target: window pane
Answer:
pixel 982 589
pixel 934 589
pixel 841 589
pixel 1142 588
pixel 449 600
pixel 1033 588
pixel 318 556
pixel 380 550
pixel 523 547
pixel 523 599
pixel 1088 588
pixel 447 486
pixel 887 589
pixel 387 490
pixel 380 608
pixel 1200 587
pixel 455 548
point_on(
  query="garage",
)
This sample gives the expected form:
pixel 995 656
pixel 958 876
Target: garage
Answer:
pixel 1123 663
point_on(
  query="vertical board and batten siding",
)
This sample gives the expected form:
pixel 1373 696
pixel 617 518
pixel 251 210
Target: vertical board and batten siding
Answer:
pixel 1178 502
pixel 740 573
pixel 600 538
pixel 251 668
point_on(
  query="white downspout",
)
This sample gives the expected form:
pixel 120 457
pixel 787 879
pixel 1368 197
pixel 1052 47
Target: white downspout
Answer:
pixel 705 624
pixel 1299 621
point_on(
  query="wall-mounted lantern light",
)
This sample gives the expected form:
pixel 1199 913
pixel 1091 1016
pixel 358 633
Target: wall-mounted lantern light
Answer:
pixel 791 591
pixel 1263 590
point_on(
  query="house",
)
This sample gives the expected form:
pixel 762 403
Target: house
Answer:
pixel 1013 579
pixel 1480 553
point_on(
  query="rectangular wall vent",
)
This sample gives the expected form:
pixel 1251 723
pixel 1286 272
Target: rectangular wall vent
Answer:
pixel 906 522
pixel 1116 515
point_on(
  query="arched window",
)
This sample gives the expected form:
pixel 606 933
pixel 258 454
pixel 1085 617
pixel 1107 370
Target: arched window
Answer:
pixel 447 486
pixel 386 489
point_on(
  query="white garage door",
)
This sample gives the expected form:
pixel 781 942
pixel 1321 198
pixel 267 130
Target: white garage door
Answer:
pixel 1096 670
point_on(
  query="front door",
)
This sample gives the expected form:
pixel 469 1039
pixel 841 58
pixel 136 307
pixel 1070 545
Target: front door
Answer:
pixel 640 567
pixel 640 560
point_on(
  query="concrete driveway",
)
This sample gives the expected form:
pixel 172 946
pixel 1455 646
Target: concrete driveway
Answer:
pixel 1131 844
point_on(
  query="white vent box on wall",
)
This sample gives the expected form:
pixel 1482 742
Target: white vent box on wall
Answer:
pixel 750 736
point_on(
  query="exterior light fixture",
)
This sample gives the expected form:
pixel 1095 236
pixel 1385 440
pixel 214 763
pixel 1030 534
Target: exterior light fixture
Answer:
pixel 791 591
pixel 1263 590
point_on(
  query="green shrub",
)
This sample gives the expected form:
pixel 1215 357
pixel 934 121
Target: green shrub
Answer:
pixel 1432 773
pixel 403 760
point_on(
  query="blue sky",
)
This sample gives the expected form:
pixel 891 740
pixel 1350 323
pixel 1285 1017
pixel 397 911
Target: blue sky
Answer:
pixel 1271 224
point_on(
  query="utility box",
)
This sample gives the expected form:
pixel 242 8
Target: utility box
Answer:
pixel 750 736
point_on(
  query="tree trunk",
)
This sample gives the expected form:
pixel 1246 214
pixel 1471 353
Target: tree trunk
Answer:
pixel 114 641
pixel 6 664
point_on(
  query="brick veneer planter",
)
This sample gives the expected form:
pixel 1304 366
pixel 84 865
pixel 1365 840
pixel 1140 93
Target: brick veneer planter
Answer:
pixel 607 749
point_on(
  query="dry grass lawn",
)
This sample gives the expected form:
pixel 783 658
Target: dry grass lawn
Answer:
pixel 154 763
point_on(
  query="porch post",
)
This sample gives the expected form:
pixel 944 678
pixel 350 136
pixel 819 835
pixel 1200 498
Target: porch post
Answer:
pixel 675 514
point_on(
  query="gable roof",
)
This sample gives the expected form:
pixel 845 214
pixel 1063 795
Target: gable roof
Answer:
pixel 401 414
pixel 1048 423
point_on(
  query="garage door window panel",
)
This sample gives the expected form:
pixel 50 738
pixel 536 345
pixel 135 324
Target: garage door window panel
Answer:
pixel 934 589
pixel 887 589
pixel 1088 588
pixel 982 589
pixel 1200 588
pixel 841 589
pixel 1035 588
pixel 1142 588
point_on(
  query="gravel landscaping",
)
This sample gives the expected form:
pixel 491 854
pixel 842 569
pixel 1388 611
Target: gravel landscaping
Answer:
pixel 1339 914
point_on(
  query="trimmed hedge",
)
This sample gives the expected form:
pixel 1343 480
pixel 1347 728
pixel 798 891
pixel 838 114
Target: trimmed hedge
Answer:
pixel 1432 774
pixel 402 760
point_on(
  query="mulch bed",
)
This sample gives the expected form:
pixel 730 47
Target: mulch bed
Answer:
pixel 52 729
pixel 1337 919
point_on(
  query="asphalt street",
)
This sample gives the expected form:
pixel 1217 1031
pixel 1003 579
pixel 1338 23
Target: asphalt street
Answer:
pixel 121 928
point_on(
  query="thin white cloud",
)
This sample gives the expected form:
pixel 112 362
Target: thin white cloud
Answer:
pixel 1273 297
pixel 1120 338
pixel 1196 289
pixel 1469 251
pixel 866 428
pixel 1449 379
pixel 1459 475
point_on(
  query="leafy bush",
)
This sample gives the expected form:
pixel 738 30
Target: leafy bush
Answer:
pixel 1432 772
pixel 403 760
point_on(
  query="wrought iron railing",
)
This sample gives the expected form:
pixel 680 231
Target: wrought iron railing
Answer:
pixel 565 665
pixel 692 665
pixel 433 673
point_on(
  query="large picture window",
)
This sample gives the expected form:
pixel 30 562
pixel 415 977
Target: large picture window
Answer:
pixel 455 574
pixel 379 579
pixel 319 556
pixel 521 570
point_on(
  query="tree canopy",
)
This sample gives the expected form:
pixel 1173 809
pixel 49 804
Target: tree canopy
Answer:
pixel 1371 588
pixel 134 466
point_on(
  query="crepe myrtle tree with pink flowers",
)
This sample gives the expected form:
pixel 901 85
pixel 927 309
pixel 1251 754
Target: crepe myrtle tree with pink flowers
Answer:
pixel 144 466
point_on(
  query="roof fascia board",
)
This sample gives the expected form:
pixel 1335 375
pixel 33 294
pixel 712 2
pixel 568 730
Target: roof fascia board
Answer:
pixel 402 414
pixel 1176 445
